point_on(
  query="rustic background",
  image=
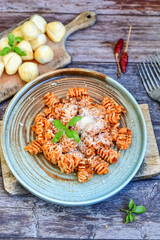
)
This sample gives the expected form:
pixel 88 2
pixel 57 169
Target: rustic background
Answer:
pixel 29 217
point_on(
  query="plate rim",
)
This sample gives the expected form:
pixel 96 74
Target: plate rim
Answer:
pixel 69 71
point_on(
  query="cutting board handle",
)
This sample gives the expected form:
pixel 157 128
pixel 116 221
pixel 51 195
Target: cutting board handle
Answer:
pixel 83 20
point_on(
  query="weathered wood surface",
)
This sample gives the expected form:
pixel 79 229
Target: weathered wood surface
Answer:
pixel 10 84
pixel 29 217
pixel 128 7
pixel 150 166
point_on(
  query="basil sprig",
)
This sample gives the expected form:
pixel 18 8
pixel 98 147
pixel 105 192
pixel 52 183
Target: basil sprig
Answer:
pixel 12 41
pixel 132 208
pixel 69 133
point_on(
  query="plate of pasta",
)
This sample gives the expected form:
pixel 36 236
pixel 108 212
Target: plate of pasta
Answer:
pixel 73 137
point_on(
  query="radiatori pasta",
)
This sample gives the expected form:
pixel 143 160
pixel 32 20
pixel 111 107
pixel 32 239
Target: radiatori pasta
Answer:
pixel 99 131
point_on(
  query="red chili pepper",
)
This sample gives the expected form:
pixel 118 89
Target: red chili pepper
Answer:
pixel 124 56
pixel 119 46
pixel 124 61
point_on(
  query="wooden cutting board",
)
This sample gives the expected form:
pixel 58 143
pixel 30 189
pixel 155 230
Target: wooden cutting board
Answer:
pixel 149 168
pixel 10 84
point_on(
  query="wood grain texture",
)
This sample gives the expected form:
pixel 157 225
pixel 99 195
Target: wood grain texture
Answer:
pixel 45 220
pixel 138 7
pixel 10 84
pixel 149 168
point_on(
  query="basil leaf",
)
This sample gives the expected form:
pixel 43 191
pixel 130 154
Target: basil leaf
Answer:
pixel 68 133
pixel 11 39
pixel 139 209
pixel 18 39
pixel 74 120
pixel 57 136
pixel 58 124
pixel 75 136
pixel 127 219
pixel 5 51
pixel 131 203
pixel 19 51
pixel 134 207
pixel 131 216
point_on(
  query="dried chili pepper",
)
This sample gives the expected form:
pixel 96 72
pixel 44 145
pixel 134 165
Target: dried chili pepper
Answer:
pixel 124 56
pixel 118 47
pixel 117 51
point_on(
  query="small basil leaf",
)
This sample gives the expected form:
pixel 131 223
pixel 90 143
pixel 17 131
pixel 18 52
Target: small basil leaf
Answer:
pixel 75 136
pixel 57 137
pixel 19 51
pixel 139 209
pixel 58 124
pixel 68 133
pixel 134 207
pixel 127 219
pixel 131 216
pixel 131 203
pixel 5 51
pixel 18 39
pixel 11 39
pixel 11 44
pixel 74 120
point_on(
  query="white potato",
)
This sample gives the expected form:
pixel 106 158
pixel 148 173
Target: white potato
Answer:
pixel 3 43
pixel 26 47
pixel 38 41
pixel 39 21
pixel 55 31
pixel 17 32
pixel 1 68
pixel 11 61
pixel 44 54
pixel 28 71
pixel 29 31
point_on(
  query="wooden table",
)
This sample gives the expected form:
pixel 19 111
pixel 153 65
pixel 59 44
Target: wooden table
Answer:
pixel 29 217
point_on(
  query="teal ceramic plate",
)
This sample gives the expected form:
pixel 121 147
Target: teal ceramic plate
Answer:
pixel 45 180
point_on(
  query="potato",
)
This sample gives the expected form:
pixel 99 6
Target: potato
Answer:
pixel 40 22
pixel 38 41
pixel 3 43
pixel 1 68
pixel 44 54
pixel 17 32
pixel 55 31
pixel 29 31
pixel 26 47
pixel 11 61
pixel 28 71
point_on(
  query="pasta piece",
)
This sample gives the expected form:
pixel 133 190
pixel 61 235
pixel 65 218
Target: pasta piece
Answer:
pixel 68 162
pixel 114 131
pixel 101 168
pixel 68 112
pixel 124 138
pixel 51 151
pixel 87 151
pixel 67 144
pixel 85 100
pixel 76 92
pixel 50 99
pixel 35 147
pixel 109 154
pixel 111 105
pixel 85 171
